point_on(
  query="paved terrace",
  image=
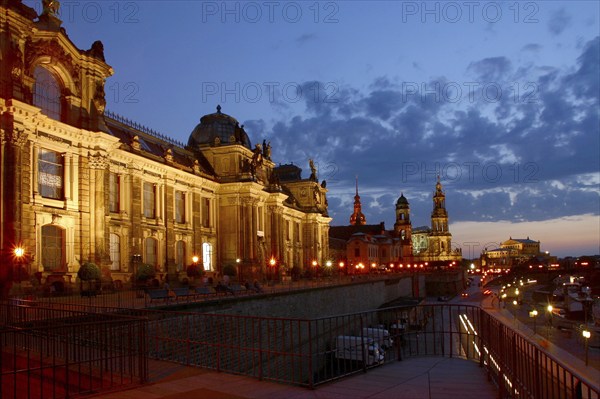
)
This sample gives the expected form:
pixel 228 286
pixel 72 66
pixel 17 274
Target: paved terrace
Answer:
pixel 428 377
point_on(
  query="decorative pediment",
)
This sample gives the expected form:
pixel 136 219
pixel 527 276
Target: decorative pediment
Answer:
pixel 52 49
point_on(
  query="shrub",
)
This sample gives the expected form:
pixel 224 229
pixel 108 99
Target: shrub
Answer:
pixel 145 272
pixel 194 270
pixel 88 271
pixel 229 270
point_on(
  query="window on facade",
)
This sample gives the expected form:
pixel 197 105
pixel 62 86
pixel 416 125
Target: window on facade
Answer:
pixel 151 249
pixel 383 252
pixel 149 200
pixel 357 252
pixel 287 230
pixel 180 256
pixel 297 232
pixel 179 207
pixel 207 256
pixel 53 248
pixel 114 192
pixel 50 174
pixel 46 92
pixel 115 252
pixel 205 212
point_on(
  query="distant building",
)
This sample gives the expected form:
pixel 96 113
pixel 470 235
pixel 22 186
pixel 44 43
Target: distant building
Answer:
pixel 81 184
pixel 515 251
pixel 364 246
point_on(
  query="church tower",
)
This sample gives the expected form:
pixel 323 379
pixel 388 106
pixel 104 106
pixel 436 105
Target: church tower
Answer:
pixel 357 218
pixel 403 226
pixel 440 236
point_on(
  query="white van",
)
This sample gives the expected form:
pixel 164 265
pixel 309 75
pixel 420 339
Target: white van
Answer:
pixel 354 348
pixel 379 335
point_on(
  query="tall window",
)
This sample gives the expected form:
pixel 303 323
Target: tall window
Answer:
pixel 50 174
pixel 180 256
pixel 207 256
pixel 46 92
pixel 149 200
pixel 53 248
pixel 114 191
pixel 151 251
pixel 115 252
pixel 205 212
pixel 357 252
pixel 179 207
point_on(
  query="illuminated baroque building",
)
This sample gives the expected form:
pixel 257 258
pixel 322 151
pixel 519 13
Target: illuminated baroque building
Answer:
pixel 513 252
pixel 81 184
pixel 374 246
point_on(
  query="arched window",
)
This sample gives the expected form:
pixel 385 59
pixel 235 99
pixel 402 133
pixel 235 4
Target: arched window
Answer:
pixel 180 256
pixel 151 248
pixel 207 256
pixel 46 92
pixel 115 252
pixel 53 248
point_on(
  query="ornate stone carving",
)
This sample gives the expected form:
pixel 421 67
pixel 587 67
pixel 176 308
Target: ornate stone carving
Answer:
pixel 98 161
pixel 16 62
pixel 196 166
pixel 54 50
pixel 16 137
pixel 135 143
pixel 169 155
pixel 99 97
pixel 97 50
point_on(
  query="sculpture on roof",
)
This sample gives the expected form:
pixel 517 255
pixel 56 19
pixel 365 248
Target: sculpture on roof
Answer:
pixel 313 170
pixel 50 7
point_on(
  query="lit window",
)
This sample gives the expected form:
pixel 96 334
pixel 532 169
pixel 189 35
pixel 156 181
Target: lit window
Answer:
pixel 180 255
pixel 115 252
pixel 149 200
pixel 114 192
pixel 151 251
pixel 207 256
pixel 50 174
pixel 179 207
pixel 206 212
pixel 46 93
pixel 53 251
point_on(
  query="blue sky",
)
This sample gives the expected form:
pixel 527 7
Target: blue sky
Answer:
pixel 500 98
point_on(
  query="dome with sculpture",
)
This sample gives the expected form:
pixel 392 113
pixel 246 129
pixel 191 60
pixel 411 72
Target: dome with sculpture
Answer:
pixel 402 200
pixel 218 129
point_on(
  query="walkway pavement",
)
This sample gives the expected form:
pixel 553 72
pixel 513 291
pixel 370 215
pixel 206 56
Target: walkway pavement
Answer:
pixel 418 378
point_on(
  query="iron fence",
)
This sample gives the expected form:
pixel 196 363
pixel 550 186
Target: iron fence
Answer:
pixel 310 352
pixel 60 353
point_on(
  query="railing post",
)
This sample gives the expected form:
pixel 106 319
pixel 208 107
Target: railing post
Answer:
pixel 311 382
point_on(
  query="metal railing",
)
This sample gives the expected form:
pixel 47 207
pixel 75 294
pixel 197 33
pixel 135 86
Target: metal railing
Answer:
pixel 308 352
pixel 60 353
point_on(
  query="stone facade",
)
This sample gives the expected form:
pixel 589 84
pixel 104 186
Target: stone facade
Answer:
pixel 81 184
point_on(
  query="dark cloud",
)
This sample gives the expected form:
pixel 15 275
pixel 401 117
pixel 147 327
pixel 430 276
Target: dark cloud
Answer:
pixel 559 21
pixel 533 47
pixel 492 69
pixel 499 158
pixel 305 38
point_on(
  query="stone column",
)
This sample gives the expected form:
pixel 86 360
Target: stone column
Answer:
pixel 98 165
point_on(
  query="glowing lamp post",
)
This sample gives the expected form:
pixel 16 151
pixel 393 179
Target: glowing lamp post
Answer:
pixel 533 314
pixel 549 309
pixel 586 334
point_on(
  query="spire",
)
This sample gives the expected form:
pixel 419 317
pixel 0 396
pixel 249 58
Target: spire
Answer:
pixel 357 218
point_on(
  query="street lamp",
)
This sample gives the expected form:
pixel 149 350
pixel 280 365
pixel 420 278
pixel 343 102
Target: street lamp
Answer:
pixel 549 308
pixel 533 314
pixel 586 334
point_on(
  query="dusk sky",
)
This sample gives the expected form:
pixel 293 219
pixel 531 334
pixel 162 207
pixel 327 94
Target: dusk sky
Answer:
pixel 501 99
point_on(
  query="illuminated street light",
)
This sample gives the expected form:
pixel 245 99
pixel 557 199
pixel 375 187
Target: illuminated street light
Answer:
pixel 314 263
pixel 533 314
pixel 328 263
pixel 195 259
pixel 19 252
pixel 586 334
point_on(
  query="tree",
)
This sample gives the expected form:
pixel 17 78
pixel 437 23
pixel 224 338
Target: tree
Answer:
pixel 89 272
